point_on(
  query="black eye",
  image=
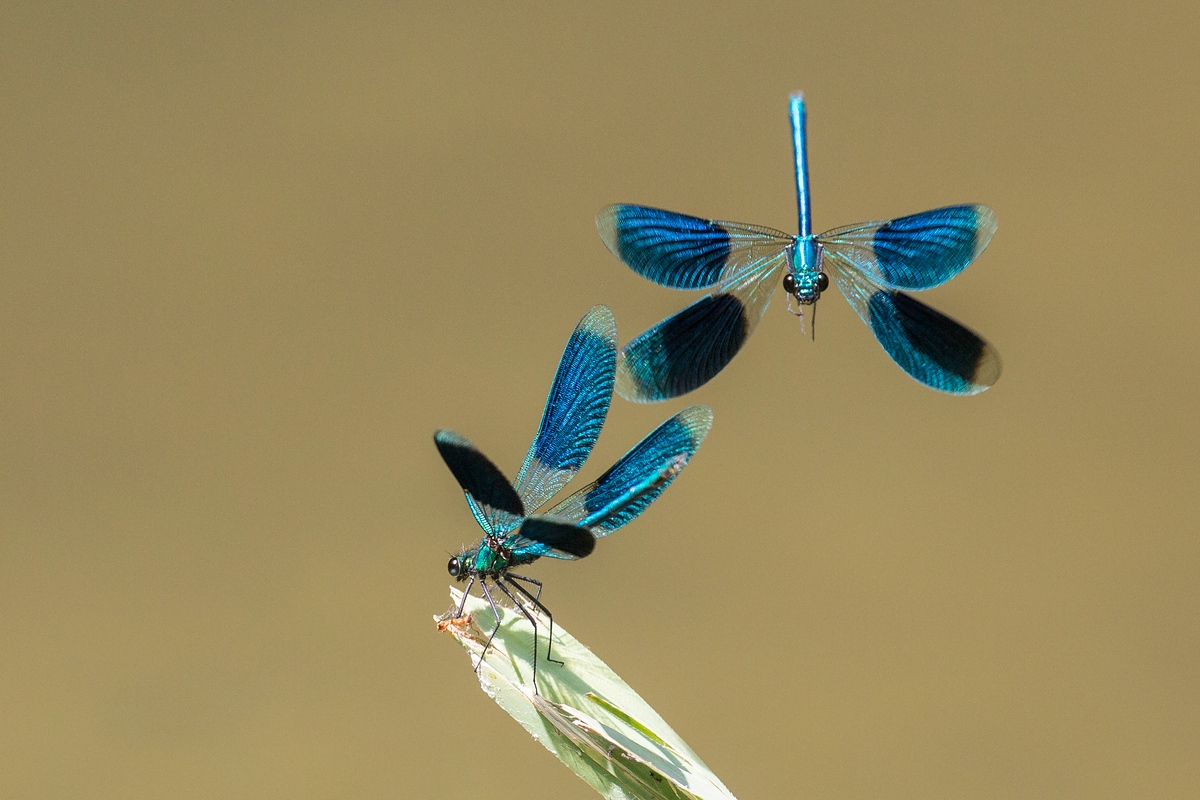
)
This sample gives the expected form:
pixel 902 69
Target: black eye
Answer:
pixel 789 283
pixel 452 567
pixel 822 282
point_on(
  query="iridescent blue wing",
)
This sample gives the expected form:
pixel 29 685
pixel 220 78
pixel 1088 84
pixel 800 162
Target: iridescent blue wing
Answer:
pixel 684 252
pixel 547 536
pixel 482 480
pixel 686 350
pixel 575 409
pixel 927 344
pixel 486 516
pixel 559 538
pixel 916 252
pixel 623 492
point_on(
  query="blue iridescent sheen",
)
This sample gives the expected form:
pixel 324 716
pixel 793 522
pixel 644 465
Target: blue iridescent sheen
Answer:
pixel 930 346
pixel 745 263
pixel 678 437
pixel 923 250
pixel 670 359
pixel 575 412
pixel 575 409
pixel 573 402
pixel 670 249
pixel 800 152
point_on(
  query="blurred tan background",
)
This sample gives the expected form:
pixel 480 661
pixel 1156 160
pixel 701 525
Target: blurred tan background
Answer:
pixel 251 258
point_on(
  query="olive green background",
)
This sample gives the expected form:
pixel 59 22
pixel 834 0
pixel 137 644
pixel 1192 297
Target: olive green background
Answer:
pixel 250 258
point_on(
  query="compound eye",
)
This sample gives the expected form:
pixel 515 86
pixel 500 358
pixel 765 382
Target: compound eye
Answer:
pixel 789 283
pixel 453 567
pixel 822 282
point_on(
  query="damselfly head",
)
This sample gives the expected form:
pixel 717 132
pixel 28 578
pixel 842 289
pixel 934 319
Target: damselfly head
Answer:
pixel 806 287
pixel 462 566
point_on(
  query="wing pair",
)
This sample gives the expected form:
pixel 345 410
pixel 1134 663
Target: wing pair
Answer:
pixel 571 422
pixel 870 262
pixel 487 488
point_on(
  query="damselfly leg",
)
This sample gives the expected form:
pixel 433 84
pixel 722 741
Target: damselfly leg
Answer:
pixel 525 613
pixel 541 607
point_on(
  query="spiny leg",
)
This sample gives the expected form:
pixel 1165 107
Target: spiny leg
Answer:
pixel 470 582
pixel 496 611
pixel 525 612
pixel 535 599
pixel 546 611
pixel 534 581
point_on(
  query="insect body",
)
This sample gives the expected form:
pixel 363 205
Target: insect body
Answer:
pixel 574 414
pixel 874 264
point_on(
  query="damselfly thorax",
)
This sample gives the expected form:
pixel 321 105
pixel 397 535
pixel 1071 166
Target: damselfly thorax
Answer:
pixel 489 559
pixel 806 278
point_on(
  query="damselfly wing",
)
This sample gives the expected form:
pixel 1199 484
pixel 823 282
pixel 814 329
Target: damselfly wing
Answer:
pixel 874 264
pixel 514 532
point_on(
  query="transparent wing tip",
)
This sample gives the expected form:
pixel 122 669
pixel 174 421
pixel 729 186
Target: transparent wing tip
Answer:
pixel 600 321
pixel 987 370
pixel 985 227
pixel 698 419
